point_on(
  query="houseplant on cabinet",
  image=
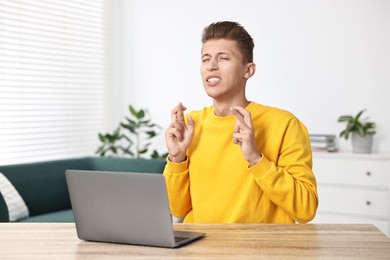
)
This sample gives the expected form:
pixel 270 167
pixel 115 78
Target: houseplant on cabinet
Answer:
pixel 361 131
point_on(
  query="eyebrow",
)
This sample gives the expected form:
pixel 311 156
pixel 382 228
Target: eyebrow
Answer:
pixel 218 53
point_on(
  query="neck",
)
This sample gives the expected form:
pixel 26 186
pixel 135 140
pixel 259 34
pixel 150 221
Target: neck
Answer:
pixel 223 108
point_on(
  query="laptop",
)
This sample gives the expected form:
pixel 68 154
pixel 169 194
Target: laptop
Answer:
pixel 123 207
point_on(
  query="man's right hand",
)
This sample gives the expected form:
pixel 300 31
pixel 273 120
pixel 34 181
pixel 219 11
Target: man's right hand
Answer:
pixel 178 136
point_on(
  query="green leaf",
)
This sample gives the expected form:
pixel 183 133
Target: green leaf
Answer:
pixel 133 111
pixel 344 134
pixel 127 139
pixel 100 149
pixel 113 149
pixel 155 125
pixel 154 155
pixel 357 118
pixel 140 114
pixel 345 119
pixel 102 137
pixel 143 151
pixel 144 122
pixel 128 127
pixel 130 121
pixel 151 134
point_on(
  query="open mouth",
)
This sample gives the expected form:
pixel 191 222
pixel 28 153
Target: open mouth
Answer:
pixel 213 79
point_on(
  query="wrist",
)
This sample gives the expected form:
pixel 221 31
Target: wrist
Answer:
pixel 254 160
pixel 177 158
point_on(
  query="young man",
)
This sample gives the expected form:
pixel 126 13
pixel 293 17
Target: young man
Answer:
pixel 237 161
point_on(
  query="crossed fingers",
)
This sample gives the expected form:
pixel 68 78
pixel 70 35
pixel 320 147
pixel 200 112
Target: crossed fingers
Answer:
pixel 243 116
pixel 177 121
pixel 177 113
pixel 243 127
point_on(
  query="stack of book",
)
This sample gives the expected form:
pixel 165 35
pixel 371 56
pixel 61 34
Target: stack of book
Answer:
pixel 323 142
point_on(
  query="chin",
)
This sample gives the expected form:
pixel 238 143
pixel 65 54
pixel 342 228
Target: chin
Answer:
pixel 212 94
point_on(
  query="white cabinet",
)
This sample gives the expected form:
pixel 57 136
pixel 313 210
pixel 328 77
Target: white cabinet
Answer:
pixel 353 188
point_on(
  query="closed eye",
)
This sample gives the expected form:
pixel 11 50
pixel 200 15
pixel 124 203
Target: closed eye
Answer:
pixel 223 57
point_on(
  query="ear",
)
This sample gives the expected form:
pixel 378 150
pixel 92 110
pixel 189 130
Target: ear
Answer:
pixel 250 70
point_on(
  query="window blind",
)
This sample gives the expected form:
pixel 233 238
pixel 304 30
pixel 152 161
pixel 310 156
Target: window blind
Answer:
pixel 53 80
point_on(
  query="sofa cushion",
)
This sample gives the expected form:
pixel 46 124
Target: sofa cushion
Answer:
pixel 56 216
pixel 16 206
pixel 3 210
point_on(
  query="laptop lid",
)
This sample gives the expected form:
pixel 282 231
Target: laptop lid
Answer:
pixel 120 207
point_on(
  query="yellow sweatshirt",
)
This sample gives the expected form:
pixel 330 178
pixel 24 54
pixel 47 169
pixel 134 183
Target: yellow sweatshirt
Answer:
pixel 216 185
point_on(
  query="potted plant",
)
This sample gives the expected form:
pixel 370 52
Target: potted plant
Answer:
pixel 132 137
pixel 361 131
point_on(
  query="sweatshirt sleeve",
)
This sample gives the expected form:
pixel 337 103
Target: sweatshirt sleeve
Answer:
pixel 178 187
pixel 290 182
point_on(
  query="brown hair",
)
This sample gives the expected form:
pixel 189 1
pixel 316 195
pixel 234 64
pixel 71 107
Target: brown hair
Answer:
pixel 231 31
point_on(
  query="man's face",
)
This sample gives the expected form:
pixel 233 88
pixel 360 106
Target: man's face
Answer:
pixel 222 69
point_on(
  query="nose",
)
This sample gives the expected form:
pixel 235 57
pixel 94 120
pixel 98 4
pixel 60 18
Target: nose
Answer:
pixel 212 65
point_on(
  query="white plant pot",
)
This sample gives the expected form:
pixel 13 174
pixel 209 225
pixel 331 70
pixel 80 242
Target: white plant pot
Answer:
pixel 361 144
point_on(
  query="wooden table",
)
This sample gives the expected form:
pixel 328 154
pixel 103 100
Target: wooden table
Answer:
pixel 223 241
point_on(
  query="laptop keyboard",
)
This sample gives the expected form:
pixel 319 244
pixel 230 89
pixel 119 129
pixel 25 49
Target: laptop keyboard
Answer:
pixel 178 239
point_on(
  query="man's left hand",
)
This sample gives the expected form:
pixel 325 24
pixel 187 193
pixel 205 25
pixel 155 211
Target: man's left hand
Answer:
pixel 244 135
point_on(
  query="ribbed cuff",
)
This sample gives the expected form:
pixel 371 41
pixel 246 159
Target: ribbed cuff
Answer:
pixel 261 167
pixel 176 168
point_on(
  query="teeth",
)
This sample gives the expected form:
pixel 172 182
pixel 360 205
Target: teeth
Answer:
pixel 213 79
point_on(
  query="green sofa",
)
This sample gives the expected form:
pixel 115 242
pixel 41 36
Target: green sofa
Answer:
pixel 42 185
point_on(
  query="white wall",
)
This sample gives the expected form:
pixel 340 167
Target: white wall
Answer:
pixel 317 59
